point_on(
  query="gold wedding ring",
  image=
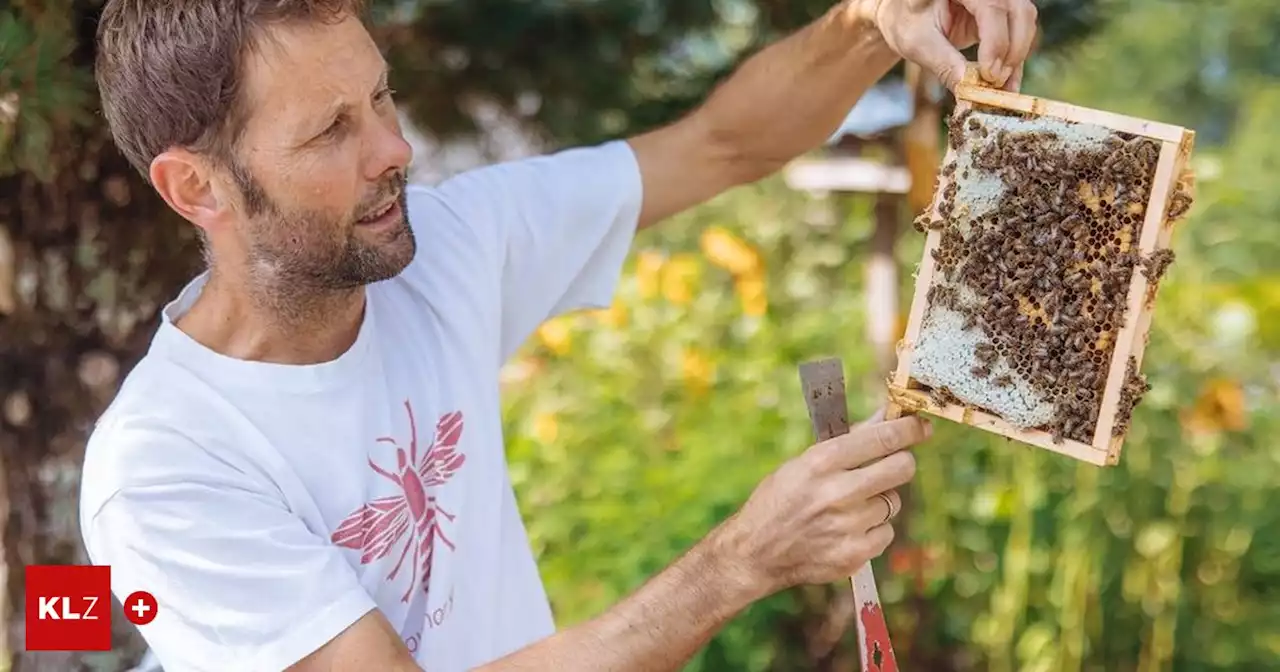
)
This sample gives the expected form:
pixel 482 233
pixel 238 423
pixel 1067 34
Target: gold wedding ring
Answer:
pixel 892 511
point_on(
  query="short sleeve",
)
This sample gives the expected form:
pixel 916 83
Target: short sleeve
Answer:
pixel 241 583
pixel 560 225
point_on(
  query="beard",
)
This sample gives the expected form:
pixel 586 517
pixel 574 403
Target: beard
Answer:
pixel 301 253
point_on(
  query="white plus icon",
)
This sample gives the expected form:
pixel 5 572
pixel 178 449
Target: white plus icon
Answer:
pixel 141 608
pixel 142 604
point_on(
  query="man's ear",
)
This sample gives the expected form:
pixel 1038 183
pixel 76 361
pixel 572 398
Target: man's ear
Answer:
pixel 186 182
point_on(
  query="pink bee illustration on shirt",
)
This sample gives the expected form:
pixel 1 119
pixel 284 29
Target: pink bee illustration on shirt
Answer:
pixel 378 526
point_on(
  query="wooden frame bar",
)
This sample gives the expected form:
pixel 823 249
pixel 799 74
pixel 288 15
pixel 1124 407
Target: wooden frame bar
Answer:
pixel 1176 144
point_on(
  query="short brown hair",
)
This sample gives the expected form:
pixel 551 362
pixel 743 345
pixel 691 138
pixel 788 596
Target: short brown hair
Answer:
pixel 169 71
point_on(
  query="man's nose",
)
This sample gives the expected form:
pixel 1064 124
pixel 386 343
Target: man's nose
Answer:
pixel 389 152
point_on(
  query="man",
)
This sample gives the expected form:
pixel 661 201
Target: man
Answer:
pixel 307 468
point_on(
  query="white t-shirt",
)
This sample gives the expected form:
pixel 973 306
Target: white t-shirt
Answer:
pixel 268 507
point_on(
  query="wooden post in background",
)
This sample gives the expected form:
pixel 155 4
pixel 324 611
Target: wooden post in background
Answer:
pixel 882 285
pixel 921 152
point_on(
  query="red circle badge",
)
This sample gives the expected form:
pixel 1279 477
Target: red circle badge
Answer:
pixel 140 607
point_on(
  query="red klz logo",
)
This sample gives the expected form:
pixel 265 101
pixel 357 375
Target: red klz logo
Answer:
pixel 378 526
pixel 68 608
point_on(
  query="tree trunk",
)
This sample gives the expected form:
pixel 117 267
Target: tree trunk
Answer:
pixel 94 256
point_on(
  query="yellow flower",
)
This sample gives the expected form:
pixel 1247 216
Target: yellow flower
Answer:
pixel 680 279
pixel 546 427
pixel 729 252
pixel 697 370
pixel 1220 407
pixel 613 316
pixel 556 335
pixel 649 272
pixel 751 292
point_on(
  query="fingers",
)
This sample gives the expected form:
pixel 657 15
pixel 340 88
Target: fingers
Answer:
pixel 893 503
pixel 869 532
pixel 858 492
pixel 881 508
pixel 877 540
pixel 888 474
pixel 992 17
pixel 871 441
pixel 1022 36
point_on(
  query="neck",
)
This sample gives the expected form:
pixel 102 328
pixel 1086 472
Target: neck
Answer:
pixel 278 327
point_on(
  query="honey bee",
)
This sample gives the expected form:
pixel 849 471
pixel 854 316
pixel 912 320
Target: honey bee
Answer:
pixel 956 128
pixel 942 397
pixel 1154 267
pixel 1180 203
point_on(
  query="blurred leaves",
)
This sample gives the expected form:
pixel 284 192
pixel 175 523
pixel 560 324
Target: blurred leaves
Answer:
pixel 42 92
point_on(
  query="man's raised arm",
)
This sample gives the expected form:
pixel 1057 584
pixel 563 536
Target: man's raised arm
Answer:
pixel 790 97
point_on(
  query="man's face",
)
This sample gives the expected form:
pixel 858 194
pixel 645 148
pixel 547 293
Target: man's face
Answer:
pixel 321 164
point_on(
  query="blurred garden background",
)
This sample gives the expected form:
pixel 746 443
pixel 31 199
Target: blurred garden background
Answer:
pixel 634 430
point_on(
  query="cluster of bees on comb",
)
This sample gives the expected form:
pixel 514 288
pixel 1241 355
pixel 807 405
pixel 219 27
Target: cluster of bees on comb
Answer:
pixel 1050 263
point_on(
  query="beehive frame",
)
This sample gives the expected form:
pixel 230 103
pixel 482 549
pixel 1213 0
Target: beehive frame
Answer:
pixel 1155 233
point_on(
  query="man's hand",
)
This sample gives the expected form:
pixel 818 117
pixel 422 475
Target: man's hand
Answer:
pixel 932 33
pixel 819 517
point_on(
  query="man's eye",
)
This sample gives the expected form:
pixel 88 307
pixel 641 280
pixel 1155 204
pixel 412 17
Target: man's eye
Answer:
pixel 334 129
pixel 385 94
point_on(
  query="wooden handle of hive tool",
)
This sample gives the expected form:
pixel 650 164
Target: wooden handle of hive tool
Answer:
pixel 824 395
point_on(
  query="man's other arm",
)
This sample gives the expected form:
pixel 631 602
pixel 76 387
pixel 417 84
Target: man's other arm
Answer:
pixel 657 628
pixel 814 520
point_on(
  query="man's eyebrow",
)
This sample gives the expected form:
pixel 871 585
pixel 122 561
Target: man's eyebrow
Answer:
pixel 338 108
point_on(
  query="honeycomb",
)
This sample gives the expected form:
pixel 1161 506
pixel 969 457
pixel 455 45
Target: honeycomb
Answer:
pixel 1039 220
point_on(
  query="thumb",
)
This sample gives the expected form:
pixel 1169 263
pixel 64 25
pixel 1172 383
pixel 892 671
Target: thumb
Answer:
pixel 936 54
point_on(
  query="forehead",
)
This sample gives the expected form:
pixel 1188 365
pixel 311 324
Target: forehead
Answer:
pixel 299 71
